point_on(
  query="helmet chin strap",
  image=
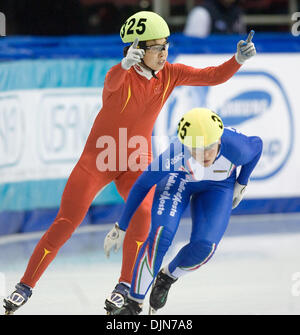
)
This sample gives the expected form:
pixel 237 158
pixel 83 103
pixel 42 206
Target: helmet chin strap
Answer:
pixel 149 68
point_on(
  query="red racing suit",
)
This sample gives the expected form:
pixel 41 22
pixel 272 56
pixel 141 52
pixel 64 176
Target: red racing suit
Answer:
pixel 131 102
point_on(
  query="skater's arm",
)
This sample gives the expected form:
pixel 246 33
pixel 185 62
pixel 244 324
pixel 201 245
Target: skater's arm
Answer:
pixel 157 170
pixel 137 194
pixel 250 159
pixel 215 75
pixel 209 76
pixel 243 151
pixel 115 78
pixel 117 74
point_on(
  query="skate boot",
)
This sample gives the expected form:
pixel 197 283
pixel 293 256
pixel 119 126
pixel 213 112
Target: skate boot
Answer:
pixel 159 292
pixel 17 299
pixel 130 307
pixel 117 298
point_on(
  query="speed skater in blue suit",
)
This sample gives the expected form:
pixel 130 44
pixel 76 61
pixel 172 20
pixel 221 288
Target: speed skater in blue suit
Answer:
pixel 200 168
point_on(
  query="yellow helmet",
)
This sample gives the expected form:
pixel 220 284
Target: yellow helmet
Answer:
pixel 200 127
pixel 145 26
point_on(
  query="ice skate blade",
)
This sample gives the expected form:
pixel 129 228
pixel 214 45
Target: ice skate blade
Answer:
pixel 110 307
pixel 151 311
pixel 8 312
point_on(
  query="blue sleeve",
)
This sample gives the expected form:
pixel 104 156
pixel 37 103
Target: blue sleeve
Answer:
pixel 156 171
pixel 250 162
pixel 244 151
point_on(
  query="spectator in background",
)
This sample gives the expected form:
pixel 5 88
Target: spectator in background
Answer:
pixel 265 6
pixel 44 18
pixel 61 18
pixel 215 17
pixel 102 18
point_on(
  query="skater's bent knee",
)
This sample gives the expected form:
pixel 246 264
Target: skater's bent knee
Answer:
pixel 202 248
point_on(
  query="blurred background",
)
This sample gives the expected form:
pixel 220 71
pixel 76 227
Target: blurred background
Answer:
pixel 54 56
pixel 94 17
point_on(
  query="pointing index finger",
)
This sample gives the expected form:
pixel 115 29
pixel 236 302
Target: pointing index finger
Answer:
pixel 250 36
pixel 135 43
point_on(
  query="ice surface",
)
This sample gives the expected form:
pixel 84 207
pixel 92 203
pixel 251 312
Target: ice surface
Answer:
pixel 255 270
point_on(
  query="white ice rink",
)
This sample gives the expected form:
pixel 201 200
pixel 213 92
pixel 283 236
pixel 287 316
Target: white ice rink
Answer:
pixel 255 270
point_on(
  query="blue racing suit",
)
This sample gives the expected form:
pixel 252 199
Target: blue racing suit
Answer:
pixel 180 179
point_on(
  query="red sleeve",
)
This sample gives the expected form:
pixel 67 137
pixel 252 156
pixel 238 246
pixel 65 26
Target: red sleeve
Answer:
pixel 209 76
pixel 115 77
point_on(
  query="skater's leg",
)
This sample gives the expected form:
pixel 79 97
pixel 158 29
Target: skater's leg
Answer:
pixel 204 239
pixel 210 216
pixel 163 230
pixel 17 299
pixel 78 195
pixel 138 229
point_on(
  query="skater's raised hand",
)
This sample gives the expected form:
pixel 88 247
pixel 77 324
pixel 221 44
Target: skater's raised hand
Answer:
pixel 134 55
pixel 114 239
pixel 245 49
pixel 238 194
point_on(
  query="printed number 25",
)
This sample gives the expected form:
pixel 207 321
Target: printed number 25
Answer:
pixel 140 27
